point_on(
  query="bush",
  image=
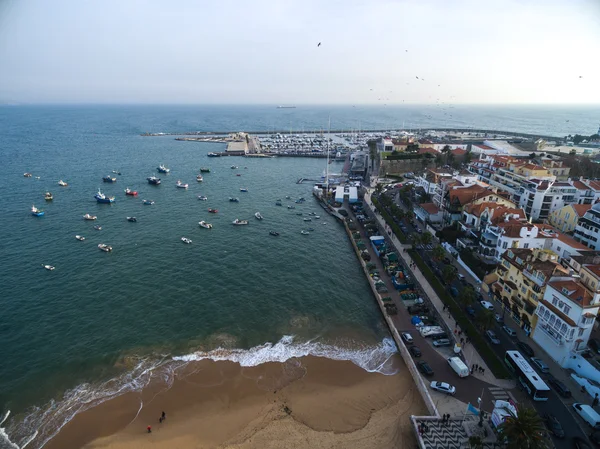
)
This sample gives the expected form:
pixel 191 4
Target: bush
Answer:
pixel 478 267
pixel 492 361
pixel 388 219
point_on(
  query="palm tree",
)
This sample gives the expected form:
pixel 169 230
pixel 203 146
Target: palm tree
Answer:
pixel 485 318
pixel 448 274
pixel 467 296
pixel 446 152
pixel 426 238
pixel 525 430
pixel 438 253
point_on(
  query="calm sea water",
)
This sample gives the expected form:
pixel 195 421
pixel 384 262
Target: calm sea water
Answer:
pixel 100 321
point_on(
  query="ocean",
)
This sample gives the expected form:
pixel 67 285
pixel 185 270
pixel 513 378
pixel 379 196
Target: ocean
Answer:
pixel 102 324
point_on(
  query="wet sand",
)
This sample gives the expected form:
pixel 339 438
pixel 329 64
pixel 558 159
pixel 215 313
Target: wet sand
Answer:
pixel 309 402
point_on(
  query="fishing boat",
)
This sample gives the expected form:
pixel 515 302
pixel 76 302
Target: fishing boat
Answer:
pixel 278 203
pixel 186 240
pixel 202 198
pixel 162 169
pixel 205 169
pixel 181 185
pixel 291 207
pixel 132 219
pixel 104 247
pixel 199 178
pixel 234 200
pixel 304 232
pixel 239 174
pixel 234 167
pixel 109 179
pixel 130 192
pixel 48 267
pixel 213 155
pixel 205 225
pixel 212 211
pixel 48 196
pixel 258 216
pixel 36 212
pixel 307 219
pixel 153 180
pixel 89 217
pixel 102 198
pixel 116 172
pixel 81 238
pixel 98 228
pixel 243 189
pixel 287 197
pixel 299 213
pixel 62 183
pixel 238 222
pixel 148 202
pixel 27 175
pixel 274 233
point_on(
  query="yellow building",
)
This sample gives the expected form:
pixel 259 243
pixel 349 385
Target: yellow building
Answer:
pixel 530 171
pixel 522 275
pixel 565 219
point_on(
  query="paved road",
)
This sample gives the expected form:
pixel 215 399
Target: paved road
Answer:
pixel 555 405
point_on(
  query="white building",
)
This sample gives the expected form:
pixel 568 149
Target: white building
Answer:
pixel 565 318
pixel 587 230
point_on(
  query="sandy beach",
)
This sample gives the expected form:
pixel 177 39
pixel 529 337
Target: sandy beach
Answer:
pixel 309 402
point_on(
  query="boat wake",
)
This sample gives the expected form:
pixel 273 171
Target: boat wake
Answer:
pixel 40 424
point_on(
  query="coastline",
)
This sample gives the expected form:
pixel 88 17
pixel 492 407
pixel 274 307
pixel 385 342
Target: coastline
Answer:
pixel 308 402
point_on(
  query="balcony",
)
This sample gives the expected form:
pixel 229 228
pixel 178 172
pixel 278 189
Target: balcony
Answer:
pixel 586 322
pixel 554 336
pixel 538 283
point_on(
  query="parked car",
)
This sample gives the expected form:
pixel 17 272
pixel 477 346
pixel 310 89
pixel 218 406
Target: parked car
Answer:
pixel 491 335
pixel 407 337
pixel 540 364
pixel 594 345
pixel 442 342
pixel 525 349
pixel 343 212
pixel 553 425
pixel 559 387
pixel 425 368
pixel 470 310
pixel 415 351
pixel 487 305
pixel 443 387
pixel 510 331
pixel 454 291
pixel 440 336
pixel 498 318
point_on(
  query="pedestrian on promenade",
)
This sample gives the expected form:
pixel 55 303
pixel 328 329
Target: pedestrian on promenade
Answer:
pixel 163 416
pixel 476 366
pixel 149 429
pixel 472 370
pixel 455 332
pixel 472 367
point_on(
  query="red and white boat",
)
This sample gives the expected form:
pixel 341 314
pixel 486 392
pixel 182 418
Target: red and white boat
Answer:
pixel 212 211
pixel 130 192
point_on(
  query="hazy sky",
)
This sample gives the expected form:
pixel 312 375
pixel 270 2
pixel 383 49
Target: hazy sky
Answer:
pixel 265 51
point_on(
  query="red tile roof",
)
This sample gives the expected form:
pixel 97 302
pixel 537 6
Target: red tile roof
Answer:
pixel 427 150
pixel 573 290
pixel 465 195
pixel 458 151
pixel 430 208
pixel 581 209
pixel 594 185
pixel 580 185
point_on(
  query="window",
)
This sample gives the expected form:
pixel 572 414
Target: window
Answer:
pixel 554 301
pixel 563 329
pixel 561 304
pixel 508 290
pixel 526 245
pixel 552 320
pixel 505 263
pixel 571 333
pixel 505 245
pixel 558 249
pixel 567 215
pixel 523 290
pixel 519 261
pixel 567 309
pixel 580 333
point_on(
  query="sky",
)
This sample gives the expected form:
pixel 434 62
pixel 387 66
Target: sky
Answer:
pixel 266 51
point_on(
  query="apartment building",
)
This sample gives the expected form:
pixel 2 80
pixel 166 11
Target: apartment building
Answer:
pixel 587 230
pixel 457 197
pixel 522 275
pixel 566 218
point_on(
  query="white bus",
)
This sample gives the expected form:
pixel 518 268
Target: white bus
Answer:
pixel 529 379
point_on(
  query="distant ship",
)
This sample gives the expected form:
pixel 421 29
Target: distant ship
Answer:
pixel 286 107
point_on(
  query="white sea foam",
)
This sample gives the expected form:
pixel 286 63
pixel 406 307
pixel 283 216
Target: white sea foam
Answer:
pixel 43 423
pixel 371 358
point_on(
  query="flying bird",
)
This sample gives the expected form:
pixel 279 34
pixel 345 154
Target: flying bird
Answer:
pixel 416 77
pixel 319 44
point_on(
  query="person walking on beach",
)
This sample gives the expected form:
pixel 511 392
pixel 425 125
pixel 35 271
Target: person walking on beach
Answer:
pixel 149 428
pixel 163 416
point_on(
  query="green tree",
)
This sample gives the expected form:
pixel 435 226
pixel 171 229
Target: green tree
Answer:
pixel 378 188
pixel 475 442
pixel 446 151
pixel 532 156
pixel 467 296
pixel 525 430
pixel 448 274
pixel 578 138
pixel 573 152
pixel 485 318
pixel 426 238
pixel 412 147
pixel 438 253
pixel 468 158
pixel 439 160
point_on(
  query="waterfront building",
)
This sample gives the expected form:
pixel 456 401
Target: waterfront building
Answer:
pixel 519 282
pixel 431 177
pixel 457 197
pixel 566 315
pixel 428 213
pixel 566 218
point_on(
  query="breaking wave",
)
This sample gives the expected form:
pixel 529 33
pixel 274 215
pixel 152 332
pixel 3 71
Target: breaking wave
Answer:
pixel 40 424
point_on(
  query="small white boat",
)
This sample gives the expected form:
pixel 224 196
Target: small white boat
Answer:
pixel 234 167
pixel 243 189
pixel 307 219
pixel 132 219
pixel 258 216
pixel 104 247
pixel 89 217
pixel 186 240
pixel 199 178
pixel 205 225
pixel 291 207
pixel 62 183
pixel 98 228
pixel 304 232
pixel 181 185
pixel 81 238
pixel 148 202
pixel 48 267
pixel 317 217
pixel 238 222
pixel 27 175
pixel 202 198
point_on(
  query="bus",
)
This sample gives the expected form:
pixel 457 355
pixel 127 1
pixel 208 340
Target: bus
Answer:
pixel 529 379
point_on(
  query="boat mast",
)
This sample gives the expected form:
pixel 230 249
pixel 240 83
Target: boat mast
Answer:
pixel 327 175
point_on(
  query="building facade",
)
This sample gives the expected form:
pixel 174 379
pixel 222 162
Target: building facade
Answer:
pixel 566 218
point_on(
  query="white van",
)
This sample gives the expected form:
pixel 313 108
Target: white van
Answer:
pixel 588 414
pixel 459 366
